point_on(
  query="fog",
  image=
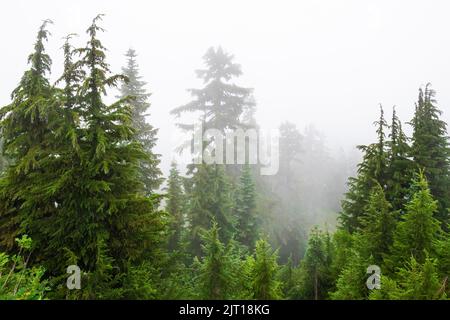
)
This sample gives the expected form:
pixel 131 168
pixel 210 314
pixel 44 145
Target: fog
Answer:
pixel 329 63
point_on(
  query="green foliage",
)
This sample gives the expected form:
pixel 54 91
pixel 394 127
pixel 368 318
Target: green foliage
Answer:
pixel 216 278
pixel 418 229
pixel 316 267
pixel 245 205
pixel 209 199
pixel 378 225
pixel 263 273
pixel 415 282
pixel 17 280
pixel 175 207
pixel 134 91
pixel 430 149
pixel 371 170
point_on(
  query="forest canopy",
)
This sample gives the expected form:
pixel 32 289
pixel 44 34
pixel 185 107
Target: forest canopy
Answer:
pixel 81 185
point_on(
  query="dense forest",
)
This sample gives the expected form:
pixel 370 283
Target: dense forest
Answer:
pixel 81 185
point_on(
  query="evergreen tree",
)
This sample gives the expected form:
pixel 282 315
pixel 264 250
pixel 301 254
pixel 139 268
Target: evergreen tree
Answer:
pixel 222 104
pixel 415 282
pixel 27 139
pixel 400 168
pixel 209 199
pixel 378 225
pixel 419 229
pixel 175 207
pixel 351 283
pixel 264 271
pixel 216 277
pixel 371 170
pixel 134 88
pixel 430 149
pixel 316 269
pixel 245 205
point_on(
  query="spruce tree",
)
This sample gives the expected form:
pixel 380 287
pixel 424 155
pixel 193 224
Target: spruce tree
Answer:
pixel 134 88
pixel 245 206
pixel 175 207
pixel 418 229
pixel 209 199
pixel 372 170
pixel 316 266
pixel 400 168
pixel 221 104
pixel 378 225
pixel 264 271
pixel 28 142
pixel 430 149
pixel 215 279
pixel 415 282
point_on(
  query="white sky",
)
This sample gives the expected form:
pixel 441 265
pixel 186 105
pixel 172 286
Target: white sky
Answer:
pixel 324 62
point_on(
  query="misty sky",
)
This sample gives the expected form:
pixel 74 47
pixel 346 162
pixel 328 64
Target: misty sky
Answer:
pixel 324 62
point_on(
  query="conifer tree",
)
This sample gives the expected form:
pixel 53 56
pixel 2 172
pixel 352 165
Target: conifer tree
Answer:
pixel 209 199
pixel 415 282
pixel 175 207
pixel 264 271
pixel 245 205
pixel 221 104
pixel 418 229
pixel 430 149
pixel 400 168
pixel 134 88
pixel 27 139
pixel 316 269
pixel 378 225
pixel 371 170
pixel 216 277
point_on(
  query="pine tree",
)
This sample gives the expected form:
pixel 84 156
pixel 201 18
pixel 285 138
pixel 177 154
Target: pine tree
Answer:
pixel 215 278
pixel 27 137
pixel 134 88
pixel 351 283
pixel 378 225
pixel 264 271
pixel 371 170
pixel 419 229
pixel 430 149
pixel 316 269
pixel 209 199
pixel 245 205
pixel 400 168
pixel 221 104
pixel 175 207
pixel 415 282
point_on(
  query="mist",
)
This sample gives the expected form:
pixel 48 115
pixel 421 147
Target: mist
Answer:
pixel 316 72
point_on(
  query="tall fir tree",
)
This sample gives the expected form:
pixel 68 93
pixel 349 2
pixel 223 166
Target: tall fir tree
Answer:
pixel 216 276
pixel 175 207
pixel 430 149
pixel 28 140
pixel 264 272
pixel 372 170
pixel 209 199
pixel 316 267
pixel 221 104
pixel 245 209
pixel 134 88
pixel 400 167
pixel 378 225
pixel 418 230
